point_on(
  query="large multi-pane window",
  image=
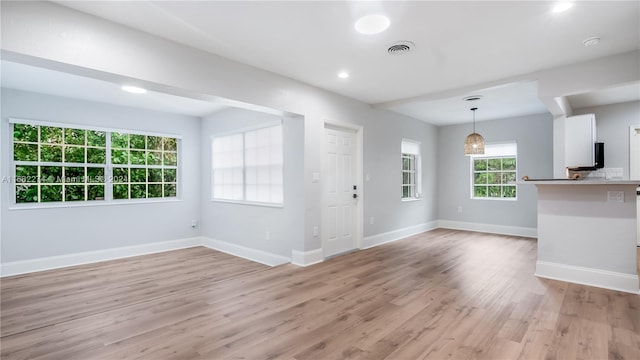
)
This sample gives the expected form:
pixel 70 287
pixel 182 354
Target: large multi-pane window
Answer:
pixel 494 173
pixel 411 170
pixel 248 166
pixel 66 163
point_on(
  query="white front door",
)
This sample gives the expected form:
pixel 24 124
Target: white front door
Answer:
pixel 339 218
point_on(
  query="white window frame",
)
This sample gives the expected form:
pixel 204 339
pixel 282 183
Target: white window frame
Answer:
pixel 411 149
pixel 108 172
pixel 493 150
pixel 243 132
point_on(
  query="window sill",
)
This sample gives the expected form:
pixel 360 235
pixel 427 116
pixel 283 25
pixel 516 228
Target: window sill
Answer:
pixel 58 205
pixel 250 203
pixel 494 198
pixel 410 199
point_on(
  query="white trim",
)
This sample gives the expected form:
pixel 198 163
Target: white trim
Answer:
pixel 88 127
pixel 306 258
pixel 383 238
pixel 88 257
pixel 588 276
pixel 489 228
pixel 252 203
pixel 634 160
pixel 244 252
pixel 88 203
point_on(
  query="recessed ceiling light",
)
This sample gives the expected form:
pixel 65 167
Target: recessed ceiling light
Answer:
pixel 372 24
pixel 343 74
pixel 562 7
pixel 592 41
pixel 133 89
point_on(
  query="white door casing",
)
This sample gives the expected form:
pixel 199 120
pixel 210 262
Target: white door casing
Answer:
pixel 341 214
pixel 634 170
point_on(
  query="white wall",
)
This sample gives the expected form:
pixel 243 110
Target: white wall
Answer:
pixel 534 136
pixel 612 128
pixel 243 224
pixel 40 233
pixel 95 48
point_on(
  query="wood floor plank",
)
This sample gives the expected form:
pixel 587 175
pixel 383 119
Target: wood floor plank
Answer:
pixel 441 294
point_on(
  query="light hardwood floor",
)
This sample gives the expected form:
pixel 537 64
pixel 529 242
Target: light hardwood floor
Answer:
pixel 443 294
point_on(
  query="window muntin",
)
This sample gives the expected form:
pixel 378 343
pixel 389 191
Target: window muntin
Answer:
pixel 58 163
pixel 494 174
pixel 411 170
pixel 248 166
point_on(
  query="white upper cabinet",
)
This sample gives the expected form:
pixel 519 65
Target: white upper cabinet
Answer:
pixel 580 136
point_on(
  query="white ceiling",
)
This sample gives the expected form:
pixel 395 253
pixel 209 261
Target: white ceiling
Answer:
pixel 624 93
pixel 458 45
pixel 39 80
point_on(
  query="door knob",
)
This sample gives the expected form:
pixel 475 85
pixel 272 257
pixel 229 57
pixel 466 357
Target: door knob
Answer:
pixel 355 196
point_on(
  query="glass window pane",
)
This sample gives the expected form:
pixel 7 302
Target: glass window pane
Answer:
pixel 509 191
pixel 155 175
pixel 137 157
pixel 480 191
pixel 170 159
pixel 138 191
pixel 74 175
pixel 169 175
pixel 509 178
pixel 155 190
pixel 50 174
pixel 95 175
pixel 494 191
pixel 96 192
pixel 26 194
pixel 50 193
pixel 120 175
pixel 137 141
pixel 74 192
pixel 154 143
pixel 96 156
pixel 96 138
pixel 493 178
pixel 24 132
pixel 119 156
pixel 26 174
pixel 154 158
pixel 480 178
pixel 480 164
pixel 25 152
pixel 121 191
pixel 170 144
pixel 138 175
pixel 74 136
pixel 509 164
pixel 74 154
pixel 51 135
pixel 494 164
pixel 120 140
pixel 170 190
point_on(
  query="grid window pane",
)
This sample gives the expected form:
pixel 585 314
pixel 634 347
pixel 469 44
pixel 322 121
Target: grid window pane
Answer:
pixel 494 177
pixel 82 154
pixel 247 166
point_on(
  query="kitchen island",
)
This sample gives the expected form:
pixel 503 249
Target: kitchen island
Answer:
pixel 587 232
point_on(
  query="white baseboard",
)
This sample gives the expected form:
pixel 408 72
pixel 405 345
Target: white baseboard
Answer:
pixel 489 228
pixel 55 262
pixel 260 256
pixel 379 239
pixel 306 258
pixel 588 276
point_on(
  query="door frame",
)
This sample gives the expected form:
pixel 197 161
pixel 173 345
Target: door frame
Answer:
pixel 359 137
pixel 634 170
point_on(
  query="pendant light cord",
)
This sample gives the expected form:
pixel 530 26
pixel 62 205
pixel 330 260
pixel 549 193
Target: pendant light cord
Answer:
pixel 474 118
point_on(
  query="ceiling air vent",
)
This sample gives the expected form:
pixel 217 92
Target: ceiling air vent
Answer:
pixel 472 98
pixel 400 47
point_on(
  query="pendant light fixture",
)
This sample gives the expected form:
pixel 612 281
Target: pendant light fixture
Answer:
pixel 474 144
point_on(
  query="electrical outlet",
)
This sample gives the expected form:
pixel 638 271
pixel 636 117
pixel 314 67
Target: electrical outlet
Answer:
pixel 316 231
pixel 267 235
pixel 371 219
pixel 459 209
pixel 194 223
pixel 615 196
